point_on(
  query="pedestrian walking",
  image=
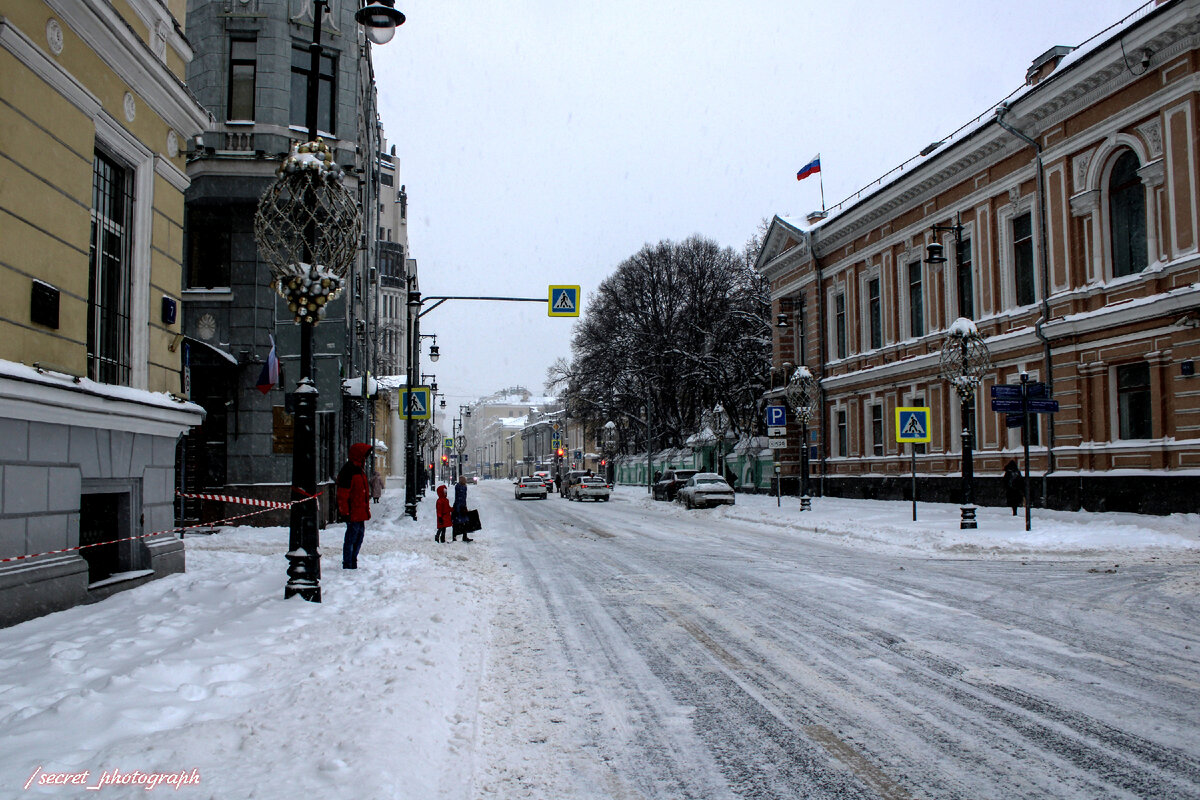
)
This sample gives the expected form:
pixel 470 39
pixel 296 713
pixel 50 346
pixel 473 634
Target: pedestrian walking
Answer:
pixel 353 499
pixel 1014 487
pixel 376 487
pixel 444 519
pixel 459 511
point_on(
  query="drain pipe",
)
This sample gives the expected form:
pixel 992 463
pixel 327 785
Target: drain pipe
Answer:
pixel 821 358
pixel 1001 110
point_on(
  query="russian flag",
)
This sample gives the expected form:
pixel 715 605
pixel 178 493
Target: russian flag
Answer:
pixel 270 371
pixel 809 168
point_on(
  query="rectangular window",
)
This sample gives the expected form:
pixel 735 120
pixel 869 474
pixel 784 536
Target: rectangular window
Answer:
pixel 842 434
pixel 208 247
pixel 1133 401
pixel 875 313
pixel 840 323
pixel 301 60
pixel 966 284
pixel 243 69
pixel 877 429
pixel 109 272
pixel 916 301
pixel 1022 236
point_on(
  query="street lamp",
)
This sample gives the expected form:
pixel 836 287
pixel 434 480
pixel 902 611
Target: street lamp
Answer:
pixel 963 362
pixel 307 228
pixel 610 449
pixel 719 419
pixel 801 393
pixel 434 353
pixel 380 18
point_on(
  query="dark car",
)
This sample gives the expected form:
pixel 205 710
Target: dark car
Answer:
pixel 572 477
pixel 668 485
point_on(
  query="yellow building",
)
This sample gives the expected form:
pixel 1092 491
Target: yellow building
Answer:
pixel 94 121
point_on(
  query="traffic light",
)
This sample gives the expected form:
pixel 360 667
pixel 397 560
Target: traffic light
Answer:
pixel 560 452
pixel 604 462
pixel 445 458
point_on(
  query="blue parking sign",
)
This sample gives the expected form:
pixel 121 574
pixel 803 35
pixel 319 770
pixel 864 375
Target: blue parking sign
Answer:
pixel 776 415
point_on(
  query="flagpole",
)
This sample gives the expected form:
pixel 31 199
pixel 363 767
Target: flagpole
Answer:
pixel 821 177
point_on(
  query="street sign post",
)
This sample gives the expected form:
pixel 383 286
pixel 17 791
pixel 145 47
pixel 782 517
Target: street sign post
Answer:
pixel 776 415
pixel 912 426
pixel 1017 402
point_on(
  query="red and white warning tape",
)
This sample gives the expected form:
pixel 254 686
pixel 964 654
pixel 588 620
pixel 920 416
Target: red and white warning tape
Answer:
pixel 270 506
pixel 245 501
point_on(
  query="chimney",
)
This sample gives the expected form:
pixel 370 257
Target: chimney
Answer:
pixel 1044 64
pixel 816 216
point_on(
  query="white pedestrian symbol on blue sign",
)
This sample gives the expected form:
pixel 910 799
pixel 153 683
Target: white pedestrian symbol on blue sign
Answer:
pixel 913 429
pixel 564 301
pixel 416 404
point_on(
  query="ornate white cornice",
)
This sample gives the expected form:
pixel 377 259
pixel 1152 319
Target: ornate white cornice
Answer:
pixel 134 62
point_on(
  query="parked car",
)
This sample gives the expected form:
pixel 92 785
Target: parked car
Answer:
pixel 589 488
pixel 529 486
pixel 705 489
pixel 668 485
pixel 571 479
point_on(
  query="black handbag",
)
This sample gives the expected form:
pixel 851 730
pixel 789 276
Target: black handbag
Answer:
pixel 472 523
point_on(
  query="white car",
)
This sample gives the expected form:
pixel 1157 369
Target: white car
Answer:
pixel 527 486
pixel 705 489
pixel 589 488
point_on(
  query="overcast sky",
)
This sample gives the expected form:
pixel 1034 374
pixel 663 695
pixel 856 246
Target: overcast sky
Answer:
pixel 543 142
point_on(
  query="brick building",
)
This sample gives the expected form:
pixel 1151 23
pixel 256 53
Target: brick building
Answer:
pixel 1070 218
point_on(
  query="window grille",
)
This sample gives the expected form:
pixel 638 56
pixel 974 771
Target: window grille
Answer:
pixel 109 272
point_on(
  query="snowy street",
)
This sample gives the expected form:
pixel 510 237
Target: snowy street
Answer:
pixel 635 649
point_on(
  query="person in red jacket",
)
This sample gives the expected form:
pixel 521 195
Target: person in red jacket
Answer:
pixel 443 515
pixel 354 502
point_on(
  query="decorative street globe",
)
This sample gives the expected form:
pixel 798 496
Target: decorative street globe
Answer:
pixel 307 228
pixel 801 394
pixel 964 361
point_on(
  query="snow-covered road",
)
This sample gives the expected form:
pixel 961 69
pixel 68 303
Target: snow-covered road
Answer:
pixel 632 649
pixel 711 657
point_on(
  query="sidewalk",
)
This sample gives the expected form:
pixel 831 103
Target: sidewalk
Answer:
pixel 888 526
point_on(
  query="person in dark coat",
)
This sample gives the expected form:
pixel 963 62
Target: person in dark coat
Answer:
pixel 354 502
pixel 1014 487
pixel 444 519
pixel 459 511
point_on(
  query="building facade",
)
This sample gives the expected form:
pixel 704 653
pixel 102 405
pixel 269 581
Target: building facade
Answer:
pixel 251 71
pixel 95 116
pixel 1069 217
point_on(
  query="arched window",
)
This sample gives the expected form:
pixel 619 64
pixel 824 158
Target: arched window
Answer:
pixel 1127 216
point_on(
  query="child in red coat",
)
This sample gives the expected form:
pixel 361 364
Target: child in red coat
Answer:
pixel 443 515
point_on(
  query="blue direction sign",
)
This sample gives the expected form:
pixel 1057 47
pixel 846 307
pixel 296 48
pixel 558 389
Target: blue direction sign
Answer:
pixel 1036 406
pixel 1012 391
pixel 1006 406
pixel 776 415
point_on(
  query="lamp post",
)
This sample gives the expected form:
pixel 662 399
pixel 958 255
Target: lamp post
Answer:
pixel 719 419
pixel 610 449
pixel 963 362
pixel 307 227
pixel 800 393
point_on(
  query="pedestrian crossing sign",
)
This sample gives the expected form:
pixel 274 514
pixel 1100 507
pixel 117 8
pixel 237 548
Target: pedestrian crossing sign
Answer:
pixel 416 405
pixel 448 443
pixel 564 301
pixel 912 424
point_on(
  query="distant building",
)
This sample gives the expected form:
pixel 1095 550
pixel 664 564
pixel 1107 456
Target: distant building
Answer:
pixel 95 118
pixel 1078 258
pixel 251 71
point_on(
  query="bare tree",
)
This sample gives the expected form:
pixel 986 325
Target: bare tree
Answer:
pixel 676 329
